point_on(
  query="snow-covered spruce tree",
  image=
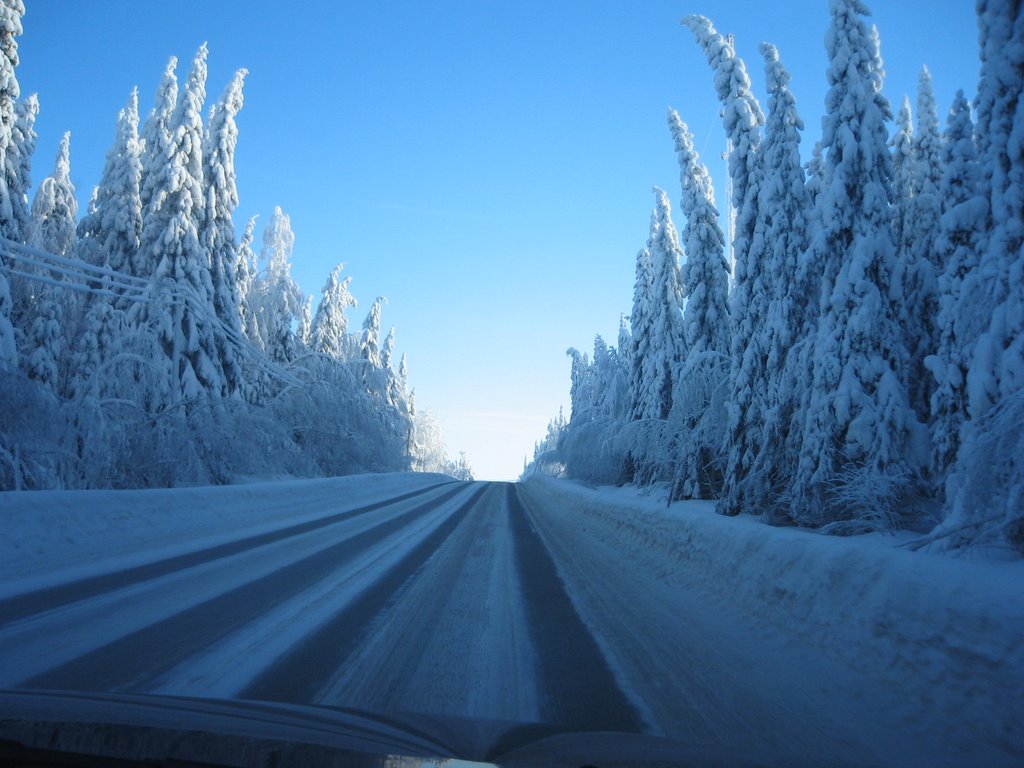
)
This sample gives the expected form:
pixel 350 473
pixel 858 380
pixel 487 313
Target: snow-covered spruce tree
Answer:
pixel 668 344
pixel 11 12
pixel 179 309
pixel 275 297
pixel 109 233
pixel 903 188
pixel 854 461
pixel 922 259
pixel 330 325
pixel 369 343
pixel 997 368
pixel 54 213
pixel 304 325
pixel 246 272
pixel 658 346
pixel 156 135
pixel 54 207
pixel 742 118
pixel 697 418
pixel 19 162
pixel 387 351
pixel 961 229
pixel 781 233
pixel 984 489
pixel 642 405
pixel 217 236
pixel 108 236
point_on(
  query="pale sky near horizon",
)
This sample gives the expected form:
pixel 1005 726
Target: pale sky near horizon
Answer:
pixel 487 166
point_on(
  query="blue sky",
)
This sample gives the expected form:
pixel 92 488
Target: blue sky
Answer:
pixel 487 166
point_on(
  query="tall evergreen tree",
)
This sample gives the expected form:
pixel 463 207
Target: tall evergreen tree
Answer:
pixel 218 233
pixel 705 282
pixel 855 438
pixel 276 298
pixel 705 272
pixel 984 489
pixel 960 232
pixel 667 347
pixel 770 374
pixel 156 134
pixel 330 325
pixel 903 184
pixel 246 273
pixel 180 306
pixel 370 349
pixel 54 211
pixel 108 236
pixel 109 233
pixel 997 368
pixel 55 208
pixel 11 12
pixel 19 163
pixel 922 257
pixel 642 406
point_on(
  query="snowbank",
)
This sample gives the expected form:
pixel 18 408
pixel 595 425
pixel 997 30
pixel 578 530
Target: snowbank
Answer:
pixel 49 537
pixel 946 631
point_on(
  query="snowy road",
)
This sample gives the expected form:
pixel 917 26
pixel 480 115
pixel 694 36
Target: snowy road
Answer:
pixel 442 600
pixel 540 603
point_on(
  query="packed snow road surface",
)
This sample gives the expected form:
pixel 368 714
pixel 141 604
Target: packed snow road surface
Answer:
pixel 539 603
pixel 439 599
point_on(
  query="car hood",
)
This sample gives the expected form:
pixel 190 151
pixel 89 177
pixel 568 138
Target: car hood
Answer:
pixel 61 727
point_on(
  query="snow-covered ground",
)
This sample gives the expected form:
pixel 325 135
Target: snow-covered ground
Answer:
pixel 546 602
pixel 839 645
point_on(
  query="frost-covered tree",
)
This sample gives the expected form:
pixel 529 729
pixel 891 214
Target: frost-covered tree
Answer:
pixel 369 344
pixel 108 235
pixel 42 314
pixel 705 271
pixel 276 298
pixel 742 118
pixel 854 457
pixel 18 163
pixel 304 326
pixel 641 321
pixel 246 273
pixel 11 12
pixel 763 388
pixel 55 208
pixel 984 487
pixel 903 185
pixel 330 324
pixel 961 229
pixel 156 133
pixel 180 305
pixel 387 351
pixel 997 367
pixel 218 232
pixel 667 345
pixel 923 260
pixel 705 282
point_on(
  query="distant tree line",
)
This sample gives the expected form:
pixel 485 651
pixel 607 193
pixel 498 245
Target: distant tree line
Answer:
pixel 861 364
pixel 146 344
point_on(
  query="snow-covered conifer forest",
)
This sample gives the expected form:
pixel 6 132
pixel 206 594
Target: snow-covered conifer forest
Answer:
pixel 147 343
pixel 853 360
